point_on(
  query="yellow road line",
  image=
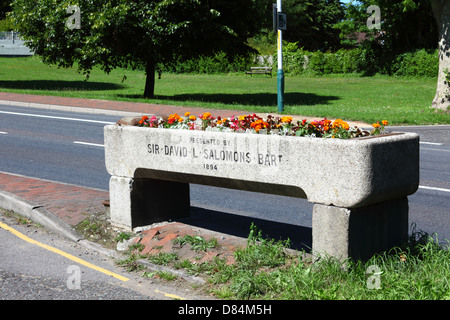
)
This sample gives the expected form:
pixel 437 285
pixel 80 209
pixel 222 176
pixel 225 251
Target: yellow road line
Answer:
pixel 62 253
pixel 169 295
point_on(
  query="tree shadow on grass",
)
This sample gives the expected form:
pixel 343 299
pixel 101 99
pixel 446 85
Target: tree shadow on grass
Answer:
pixel 57 85
pixel 248 99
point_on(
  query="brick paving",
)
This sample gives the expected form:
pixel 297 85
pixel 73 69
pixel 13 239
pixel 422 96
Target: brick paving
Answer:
pixel 69 202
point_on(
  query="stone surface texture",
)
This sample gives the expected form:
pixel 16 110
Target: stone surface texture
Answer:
pixel 343 173
pixel 359 186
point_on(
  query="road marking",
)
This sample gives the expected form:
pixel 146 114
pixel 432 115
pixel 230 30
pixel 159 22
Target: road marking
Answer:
pixel 429 149
pixel 62 253
pixel 432 143
pixel 89 144
pixel 54 117
pixel 169 295
pixel 2 132
pixel 435 189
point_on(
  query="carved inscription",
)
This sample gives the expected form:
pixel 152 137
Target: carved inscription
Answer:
pixel 213 152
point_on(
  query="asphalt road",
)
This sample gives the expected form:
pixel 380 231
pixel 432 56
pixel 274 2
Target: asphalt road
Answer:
pixel 36 264
pixel 68 147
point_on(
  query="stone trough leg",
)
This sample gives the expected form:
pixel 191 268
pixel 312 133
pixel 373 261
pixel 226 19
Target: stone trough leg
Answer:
pixel 140 202
pixel 359 233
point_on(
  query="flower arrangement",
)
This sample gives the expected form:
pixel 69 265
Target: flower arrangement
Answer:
pixel 284 125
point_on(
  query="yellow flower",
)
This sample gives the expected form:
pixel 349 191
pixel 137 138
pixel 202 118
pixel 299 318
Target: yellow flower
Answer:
pixel 192 118
pixel 187 114
pixel 242 118
pixel 385 122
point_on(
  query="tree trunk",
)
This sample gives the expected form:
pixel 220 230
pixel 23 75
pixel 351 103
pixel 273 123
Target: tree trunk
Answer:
pixel 149 91
pixel 441 12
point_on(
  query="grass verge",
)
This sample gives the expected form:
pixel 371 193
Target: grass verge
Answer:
pixel 266 269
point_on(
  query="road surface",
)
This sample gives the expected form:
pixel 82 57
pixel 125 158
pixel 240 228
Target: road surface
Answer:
pixel 68 147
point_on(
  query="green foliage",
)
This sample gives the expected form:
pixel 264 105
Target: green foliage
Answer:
pixel 218 64
pixel 197 243
pixel 406 25
pixel 363 61
pixel 419 63
pixel 162 258
pixel 263 270
pixel 6 24
pixel 134 34
pixel 311 22
pixel 5 7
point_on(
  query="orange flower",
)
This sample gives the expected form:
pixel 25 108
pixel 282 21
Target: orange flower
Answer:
pixel 259 124
pixel 326 125
pixel 339 123
pixel 286 119
pixel 385 122
pixel 174 118
pixel 376 125
pixel 192 118
pixel 144 118
pixel 345 126
pixel 187 114
pixel 206 115
pixel 242 118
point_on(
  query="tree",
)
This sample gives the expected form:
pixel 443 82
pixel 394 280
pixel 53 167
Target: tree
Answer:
pixel 5 7
pixel 309 22
pixel 441 11
pixel 133 34
pixel 409 25
pixel 405 25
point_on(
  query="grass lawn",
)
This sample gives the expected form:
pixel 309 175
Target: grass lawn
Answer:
pixel 369 99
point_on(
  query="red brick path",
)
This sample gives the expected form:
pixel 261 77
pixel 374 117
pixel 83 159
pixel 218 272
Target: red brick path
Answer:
pixel 68 202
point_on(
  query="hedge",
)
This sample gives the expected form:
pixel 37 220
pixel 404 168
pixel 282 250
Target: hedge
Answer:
pixel 297 61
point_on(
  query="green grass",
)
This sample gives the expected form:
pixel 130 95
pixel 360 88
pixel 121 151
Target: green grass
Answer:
pixel 266 270
pixel 369 99
pixel 263 270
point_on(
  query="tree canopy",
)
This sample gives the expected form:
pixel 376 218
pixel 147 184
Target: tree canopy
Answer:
pixel 406 25
pixel 309 22
pixel 127 33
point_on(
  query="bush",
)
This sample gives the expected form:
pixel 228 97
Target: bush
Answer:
pixel 364 61
pixel 420 63
pixel 219 63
